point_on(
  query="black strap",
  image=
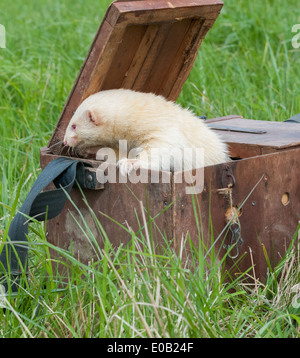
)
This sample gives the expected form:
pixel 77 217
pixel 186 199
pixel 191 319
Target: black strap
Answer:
pixel 294 119
pixel 62 172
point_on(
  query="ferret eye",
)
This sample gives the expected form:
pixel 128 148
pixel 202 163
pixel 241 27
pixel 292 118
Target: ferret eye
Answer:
pixel 73 126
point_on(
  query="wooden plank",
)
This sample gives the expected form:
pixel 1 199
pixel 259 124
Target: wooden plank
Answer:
pixel 140 57
pixel 123 58
pixel 182 69
pixel 141 12
pixel 153 56
pixel 183 61
pixel 242 151
pixel 279 135
pixel 100 70
pixel 170 54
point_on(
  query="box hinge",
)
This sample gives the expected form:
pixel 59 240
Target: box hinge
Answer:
pixel 87 179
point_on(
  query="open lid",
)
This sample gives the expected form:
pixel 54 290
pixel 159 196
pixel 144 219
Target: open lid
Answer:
pixel 144 45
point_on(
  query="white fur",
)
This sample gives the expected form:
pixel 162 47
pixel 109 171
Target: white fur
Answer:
pixel 146 121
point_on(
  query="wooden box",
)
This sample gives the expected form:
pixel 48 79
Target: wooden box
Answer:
pixel 151 46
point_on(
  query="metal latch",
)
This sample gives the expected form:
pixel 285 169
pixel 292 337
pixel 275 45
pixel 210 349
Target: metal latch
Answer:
pixel 87 179
pixel 228 182
pixel 235 240
pixel 228 179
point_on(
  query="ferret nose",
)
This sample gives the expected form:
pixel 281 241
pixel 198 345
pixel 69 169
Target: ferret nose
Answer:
pixel 65 142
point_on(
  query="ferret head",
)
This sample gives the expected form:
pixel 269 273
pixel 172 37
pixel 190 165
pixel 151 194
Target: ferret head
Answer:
pixel 89 125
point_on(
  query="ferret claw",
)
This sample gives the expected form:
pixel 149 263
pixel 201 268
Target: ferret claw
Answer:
pixel 127 166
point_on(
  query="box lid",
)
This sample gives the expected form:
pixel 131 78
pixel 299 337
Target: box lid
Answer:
pixel 144 45
pixel 247 137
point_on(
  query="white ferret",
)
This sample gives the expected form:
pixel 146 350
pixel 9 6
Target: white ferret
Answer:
pixel 146 121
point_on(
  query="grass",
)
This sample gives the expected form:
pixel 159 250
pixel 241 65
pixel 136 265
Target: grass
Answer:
pixel 132 292
pixel 246 66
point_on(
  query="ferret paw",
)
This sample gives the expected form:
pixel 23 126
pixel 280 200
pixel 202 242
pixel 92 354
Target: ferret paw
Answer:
pixel 126 166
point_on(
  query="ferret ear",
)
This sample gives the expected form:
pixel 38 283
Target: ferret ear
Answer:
pixel 94 117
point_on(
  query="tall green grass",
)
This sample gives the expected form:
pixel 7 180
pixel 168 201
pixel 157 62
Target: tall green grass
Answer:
pixel 134 291
pixel 246 66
